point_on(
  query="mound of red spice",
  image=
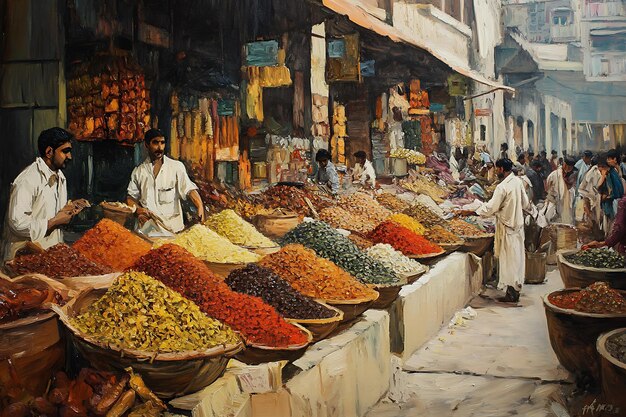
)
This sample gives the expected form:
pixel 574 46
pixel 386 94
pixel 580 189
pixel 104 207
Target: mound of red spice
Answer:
pixel 403 239
pixel 258 322
pixel 597 298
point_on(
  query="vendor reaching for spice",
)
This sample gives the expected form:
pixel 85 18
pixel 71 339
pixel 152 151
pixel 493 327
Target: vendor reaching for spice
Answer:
pixel 363 170
pixel 326 173
pixel 158 185
pixel 38 204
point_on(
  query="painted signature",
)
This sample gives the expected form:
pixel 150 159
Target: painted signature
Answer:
pixel 596 407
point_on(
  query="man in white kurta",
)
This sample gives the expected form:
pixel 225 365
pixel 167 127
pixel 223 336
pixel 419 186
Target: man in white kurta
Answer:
pixel 561 190
pixel 364 170
pixel 158 186
pixel 507 205
pixel 38 201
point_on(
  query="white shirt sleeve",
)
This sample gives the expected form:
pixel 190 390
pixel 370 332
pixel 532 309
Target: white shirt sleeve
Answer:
pixel 490 208
pixel 133 185
pixel 20 212
pixel 184 184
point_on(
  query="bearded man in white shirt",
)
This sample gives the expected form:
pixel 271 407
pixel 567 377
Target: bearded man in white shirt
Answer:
pixel 38 204
pixel 158 185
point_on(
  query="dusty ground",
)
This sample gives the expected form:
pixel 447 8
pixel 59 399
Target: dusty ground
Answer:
pixel 498 364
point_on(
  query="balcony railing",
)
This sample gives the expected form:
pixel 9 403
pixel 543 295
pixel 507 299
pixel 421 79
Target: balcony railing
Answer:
pixel 606 9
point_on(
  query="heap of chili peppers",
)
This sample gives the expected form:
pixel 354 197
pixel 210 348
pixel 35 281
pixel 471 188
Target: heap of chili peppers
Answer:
pixel 112 245
pixel 258 322
pixel 402 239
pixel 264 283
pixel 597 298
pixel 56 262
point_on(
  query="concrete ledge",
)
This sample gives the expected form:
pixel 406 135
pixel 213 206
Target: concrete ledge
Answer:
pixel 429 303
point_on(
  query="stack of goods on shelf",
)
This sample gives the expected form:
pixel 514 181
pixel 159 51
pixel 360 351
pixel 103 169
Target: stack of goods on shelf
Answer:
pixel 108 99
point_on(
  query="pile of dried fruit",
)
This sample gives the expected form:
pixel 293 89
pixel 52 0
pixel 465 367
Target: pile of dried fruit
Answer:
pixel 439 234
pixel 408 222
pixel 139 312
pixel 424 215
pixel 209 246
pixel 93 393
pixel 392 202
pixel 58 261
pixel 360 242
pixel 464 229
pixel 425 186
pixel 616 345
pixel 228 224
pixel 395 260
pixel 597 298
pixel 314 276
pixel 344 219
pixel 403 239
pixel 261 282
pixel 412 157
pixel 365 206
pixel 19 300
pixel 111 245
pixel 330 244
pixel 292 198
pixel 258 322
pixel 598 258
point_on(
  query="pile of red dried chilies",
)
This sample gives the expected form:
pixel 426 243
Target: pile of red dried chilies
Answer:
pixel 403 239
pixel 258 322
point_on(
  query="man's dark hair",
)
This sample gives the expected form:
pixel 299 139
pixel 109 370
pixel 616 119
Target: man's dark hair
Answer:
pixel 612 153
pixel 544 153
pixel 602 162
pixel 504 146
pixel 322 155
pixel 588 154
pixel 505 163
pixel 521 157
pixel 54 138
pixel 360 154
pixel 151 134
pixel 569 161
pixel 531 154
pixel 536 164
pixel 553 152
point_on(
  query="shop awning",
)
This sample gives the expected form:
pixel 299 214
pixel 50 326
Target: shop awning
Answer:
pixel 362 18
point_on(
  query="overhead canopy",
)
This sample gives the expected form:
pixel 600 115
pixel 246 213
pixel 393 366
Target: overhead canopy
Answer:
pixel 362 18
pixel 608 32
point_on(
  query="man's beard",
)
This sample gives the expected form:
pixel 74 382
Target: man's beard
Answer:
pixel 500 175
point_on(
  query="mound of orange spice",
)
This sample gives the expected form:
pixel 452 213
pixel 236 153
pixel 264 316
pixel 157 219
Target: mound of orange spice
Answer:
pixel 403 239
pixel 112 245
pixel 314 276
pixel 258 322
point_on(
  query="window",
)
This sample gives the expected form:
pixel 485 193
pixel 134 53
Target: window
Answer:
pixel 560 20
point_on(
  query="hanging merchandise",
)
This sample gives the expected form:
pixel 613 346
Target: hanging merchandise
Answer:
pixel 457 85
pixel 343 63
pixel 274 76
pixel 319 114
pixel 412 131
pixel 418 99
pixel 338 141
pixel 254 94
pixel 428 142
pixel 245 174
pixel 262 53
pixel 107 98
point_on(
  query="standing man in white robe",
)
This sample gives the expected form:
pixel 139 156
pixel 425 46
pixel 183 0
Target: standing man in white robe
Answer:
pixel 561 190
pixel 507 205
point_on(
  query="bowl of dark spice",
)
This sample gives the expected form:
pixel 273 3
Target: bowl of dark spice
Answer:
pixel 612 350
pixel 320 319
pixel 576 317
pixel 581 268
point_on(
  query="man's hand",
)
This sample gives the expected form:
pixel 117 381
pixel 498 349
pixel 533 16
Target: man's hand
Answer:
pixel 75 207
pixel 593 245
pixel 143 215
pixel 61 218
pixel 202 216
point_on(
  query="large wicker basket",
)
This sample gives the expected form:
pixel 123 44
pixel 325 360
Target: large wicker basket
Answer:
pixel 32 348
pixel 578 276
pixel 613 372
pixel 167 374
pixel 320 328
pixel 116 213
pixel 255 354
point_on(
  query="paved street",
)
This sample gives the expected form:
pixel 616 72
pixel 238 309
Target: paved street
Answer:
pixel 498 364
